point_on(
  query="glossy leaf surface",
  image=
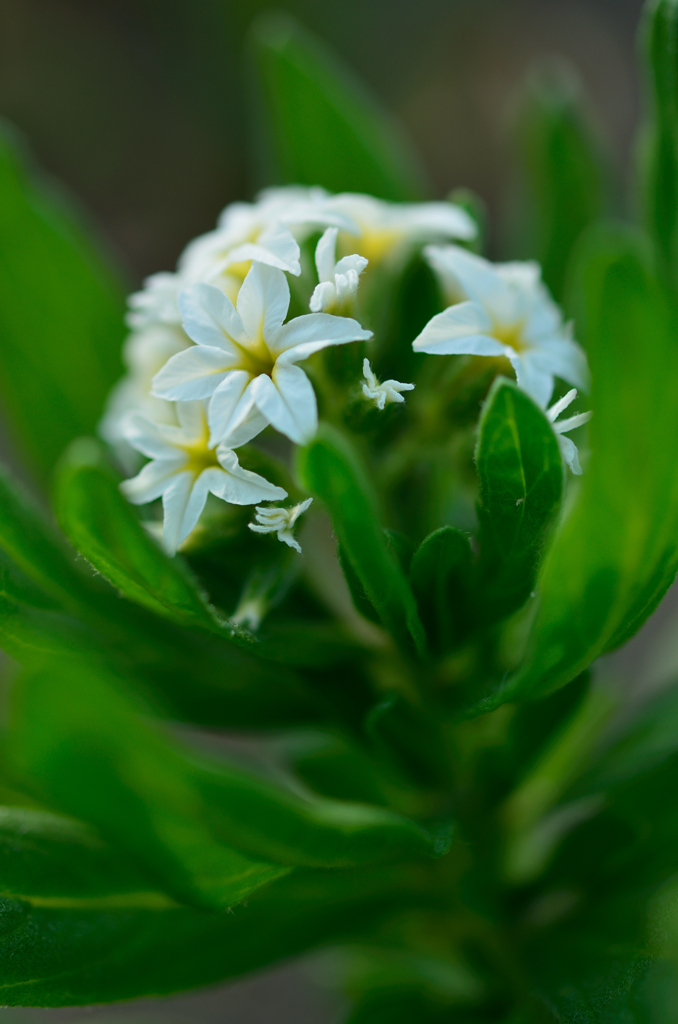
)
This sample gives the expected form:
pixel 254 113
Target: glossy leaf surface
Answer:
pixel 332 471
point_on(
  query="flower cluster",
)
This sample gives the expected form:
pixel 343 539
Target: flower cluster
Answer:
pixel 214 356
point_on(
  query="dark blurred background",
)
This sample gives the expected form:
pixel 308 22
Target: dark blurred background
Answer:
pixel 139 107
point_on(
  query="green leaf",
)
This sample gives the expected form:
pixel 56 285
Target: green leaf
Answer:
pixel 614 546
pixel 660 139
pixel 77 735
pixel 562 171
pixel 52 861
pixel 331 471
pixel 61 316
pixel 35 546
pixel 104 527
pixel 521 482
pixel 53 956
pixel 440 577
pixel 324 126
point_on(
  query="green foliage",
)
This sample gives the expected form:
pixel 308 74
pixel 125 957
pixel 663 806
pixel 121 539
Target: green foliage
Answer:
pixel 332 471
pixel 562 171
pixel 434 781
pixel 616 550
pixel 325 126
pixel 660 142
pixel 60 343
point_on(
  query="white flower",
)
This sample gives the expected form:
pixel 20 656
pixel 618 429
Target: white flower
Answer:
pixel 338 285
pixel 258 231
pixel 280 521
pixel 156 302
pixel 144 353
pixel 568 448
pixel 244 359
pixel 184 468
pixel 385 229
pixel 382 394
pixel 502 309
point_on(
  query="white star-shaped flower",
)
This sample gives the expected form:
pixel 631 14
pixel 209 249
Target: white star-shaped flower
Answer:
pixel 568 448
pixel 185 468
pixel 280 521
pixel 144 353
pixel 338 287
pixel 263 231
pixel 387 229
pixel 156 303
pixel 382 394
pixel 502 309
pixel 244 359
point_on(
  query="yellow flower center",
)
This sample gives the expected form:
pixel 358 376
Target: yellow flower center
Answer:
pixel 510 335
pixel 199 457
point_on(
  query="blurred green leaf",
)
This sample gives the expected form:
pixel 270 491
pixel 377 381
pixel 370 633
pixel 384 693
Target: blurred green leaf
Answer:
pixel 52 956
pixel 623 527
pixel 53 861
pixel 61 316
pixel 521 482
pixel 80 739
pixel 659 149
pixel 562 171
pixel 104 527
pixel 440 577
pixel 331 470
pixel 323 126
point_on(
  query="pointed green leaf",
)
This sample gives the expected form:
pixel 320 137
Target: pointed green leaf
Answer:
pixel 332 471
pixel 440 577
pixel 521 482
pixel 324 126
pixel 562 171
pixel 64 956
pixel 105 528
pixel 209 832
pixel 606 566
pixel 76 738
pixel 61 316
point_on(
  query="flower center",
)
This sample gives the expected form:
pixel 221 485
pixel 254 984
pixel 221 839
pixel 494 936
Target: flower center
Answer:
pixel 510 335
pixel 199 457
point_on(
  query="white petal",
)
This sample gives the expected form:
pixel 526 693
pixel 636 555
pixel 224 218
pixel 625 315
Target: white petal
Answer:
pixel 193 419
pixel 192 374
pixel 147 438
pixel 476 277
pixel 459 330
pixel 442 219
pixel 275 247
pixel 175 502
pixel 263 301
pixel 572 423
pixel 299 510
pixel 240 486
pixel 568 450
pixel 533 381
pixel 562 358
pixel 314 331
pixel 563 403
pixel 325 255
pixel 288 402
pixel 324 295
pixel 349 263
pixel 152 481
pixel 245 426
pixel 224 403
pixel 288 538
pixel 210 318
